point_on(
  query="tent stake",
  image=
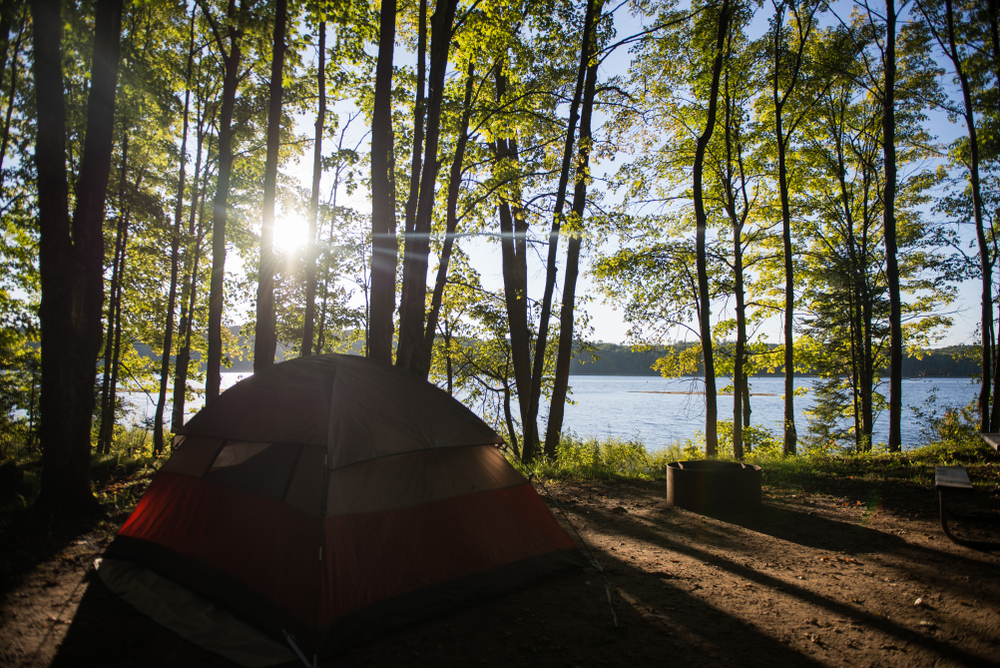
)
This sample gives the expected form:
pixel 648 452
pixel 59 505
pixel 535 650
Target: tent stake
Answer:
pixel 291 641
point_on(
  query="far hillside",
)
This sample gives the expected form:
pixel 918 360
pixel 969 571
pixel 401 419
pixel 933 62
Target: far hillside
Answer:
pixel 610 359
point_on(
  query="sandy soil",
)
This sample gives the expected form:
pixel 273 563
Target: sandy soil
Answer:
pixel 856 577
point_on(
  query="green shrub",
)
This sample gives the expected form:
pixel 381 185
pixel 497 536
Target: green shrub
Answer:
pixel 594 458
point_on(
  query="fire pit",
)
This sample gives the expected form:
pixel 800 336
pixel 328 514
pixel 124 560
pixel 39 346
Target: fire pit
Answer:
pixel 711 486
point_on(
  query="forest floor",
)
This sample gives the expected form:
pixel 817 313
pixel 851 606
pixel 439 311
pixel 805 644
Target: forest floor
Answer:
pixel 831 571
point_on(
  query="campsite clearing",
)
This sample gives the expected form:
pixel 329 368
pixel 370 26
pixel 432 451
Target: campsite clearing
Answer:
pixel 841 575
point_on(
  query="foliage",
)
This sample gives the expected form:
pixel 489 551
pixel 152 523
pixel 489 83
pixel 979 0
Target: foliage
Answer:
pixel 611 459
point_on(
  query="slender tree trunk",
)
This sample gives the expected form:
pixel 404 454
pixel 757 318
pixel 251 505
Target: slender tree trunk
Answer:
pixel 312 250
pixel 514 264
pixel 790 435
pixel 419 113
pixel 265 341
pixel 424 353
pixel 412 301
pixel 12 96
pixel 71 255
pixel 220 205
pixel 889 233
pixel 384 248
pixel 8 9
pixel 704 300
pixel 189 294
pixel 175 246
pixel 734 163
pixel 564 354
pixel 993 13
pixel 986 318
pixel 739 365
pixel 105 431
pixel 531 440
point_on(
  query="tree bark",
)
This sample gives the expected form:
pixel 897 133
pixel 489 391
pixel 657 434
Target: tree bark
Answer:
pixel 782 140
pixel 986 424
pixel 889 232
pixel 384 249
pixel 175 247
pixel 704 301
pixel 993 14
pixel 564 354
pixel 514 263
pixel 189 295
pixel 71 254
pixel 308 324
pixel 265 340
pixel 412 301
pixel 220 205
pixel 12 97
pixel 422 361
pixel 105 432
pixel 531 440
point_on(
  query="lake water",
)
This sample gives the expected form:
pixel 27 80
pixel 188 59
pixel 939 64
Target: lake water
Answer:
pixel 661 411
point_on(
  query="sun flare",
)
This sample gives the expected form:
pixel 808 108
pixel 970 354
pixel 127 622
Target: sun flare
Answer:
pixel 290 233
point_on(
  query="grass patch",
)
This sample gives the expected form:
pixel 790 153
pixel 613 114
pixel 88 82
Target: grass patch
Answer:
pixel 826 471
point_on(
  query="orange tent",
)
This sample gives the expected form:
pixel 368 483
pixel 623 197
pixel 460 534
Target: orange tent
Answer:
pixel 323 502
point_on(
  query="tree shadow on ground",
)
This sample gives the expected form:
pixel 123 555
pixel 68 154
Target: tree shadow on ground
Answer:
pixel 33 537
pixel 706 542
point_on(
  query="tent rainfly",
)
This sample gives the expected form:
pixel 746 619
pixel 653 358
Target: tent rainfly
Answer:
pixel 324 502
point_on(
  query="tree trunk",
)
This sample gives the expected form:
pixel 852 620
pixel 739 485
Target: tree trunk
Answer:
pixel 105 432
pixel 189 294
pixel 564 355
pixel 889 233
pixel 12 97
pixel 531 440
pixel 790 435
pixel 412 301
pixel 175 247
pixel 704 301
pixel 220 205
pixel 419 115
pixel 71 255
pixel 308 324
pixel 8 8
pixel 740 389
pixel 265 340
pixel 421 364
pixel 993 12
pixel 985 266
pixel 514 263
pixel 384 249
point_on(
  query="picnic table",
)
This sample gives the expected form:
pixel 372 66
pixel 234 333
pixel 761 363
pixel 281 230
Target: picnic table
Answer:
pixel 954 480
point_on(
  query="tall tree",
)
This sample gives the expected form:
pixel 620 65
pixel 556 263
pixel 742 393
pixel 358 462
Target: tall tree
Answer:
pixel 945 32
pixel 412 301
pixel 265 341
pixel 889 233
pixel 175 247
pixel 588 53
pixel 788 61
pixel 384 248
pixel 531 441
pixel 309 317
pixel 71 252
pixel 231 56
pixel 704 301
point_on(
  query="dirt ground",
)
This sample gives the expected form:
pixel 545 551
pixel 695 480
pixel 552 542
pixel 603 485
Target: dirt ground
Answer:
pixel 857 576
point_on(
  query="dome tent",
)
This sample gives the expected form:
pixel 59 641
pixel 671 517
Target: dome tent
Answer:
pixel 323 502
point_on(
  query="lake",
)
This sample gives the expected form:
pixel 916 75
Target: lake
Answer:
pixel 661 411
